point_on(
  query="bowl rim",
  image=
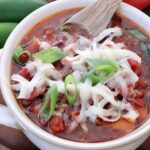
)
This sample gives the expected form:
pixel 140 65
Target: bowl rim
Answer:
pixel 26 123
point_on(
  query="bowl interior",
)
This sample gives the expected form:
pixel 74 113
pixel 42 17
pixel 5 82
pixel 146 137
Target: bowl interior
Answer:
pixel 14 39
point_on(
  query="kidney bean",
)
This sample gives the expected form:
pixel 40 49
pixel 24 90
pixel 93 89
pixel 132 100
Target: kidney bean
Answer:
pixel 141 84
pixel 138 102
pixel 24 72
pixel 26 103
pixel 56 124
pixel 135 66
pixel 24 58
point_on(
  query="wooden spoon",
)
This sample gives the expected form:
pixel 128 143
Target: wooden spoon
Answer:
pixel 96 17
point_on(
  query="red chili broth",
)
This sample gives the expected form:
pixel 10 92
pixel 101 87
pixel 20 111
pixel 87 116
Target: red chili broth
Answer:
pixel 103 131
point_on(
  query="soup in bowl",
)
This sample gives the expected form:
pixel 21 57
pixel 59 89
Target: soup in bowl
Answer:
pixel 88 91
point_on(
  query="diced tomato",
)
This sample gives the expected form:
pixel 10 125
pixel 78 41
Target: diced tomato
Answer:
pixel 135 66
pixel 141 84
pixel 138 102
pixel 56 124
pixel 25 73
pixel 58 65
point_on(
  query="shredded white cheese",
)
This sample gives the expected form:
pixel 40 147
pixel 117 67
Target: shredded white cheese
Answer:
pixel 102 93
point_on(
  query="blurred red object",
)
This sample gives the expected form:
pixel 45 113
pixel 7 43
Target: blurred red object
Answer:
pixel 141 4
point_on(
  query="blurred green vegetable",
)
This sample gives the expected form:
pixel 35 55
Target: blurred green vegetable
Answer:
pixel 21 56
pixel 5 30
pixel 49 104
pixel 16 10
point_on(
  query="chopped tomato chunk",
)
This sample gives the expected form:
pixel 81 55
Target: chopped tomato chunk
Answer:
pixel 135 66
pixel 25 73
pixel 57 124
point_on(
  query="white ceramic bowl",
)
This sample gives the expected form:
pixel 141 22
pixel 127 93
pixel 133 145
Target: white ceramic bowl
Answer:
pixel 37 135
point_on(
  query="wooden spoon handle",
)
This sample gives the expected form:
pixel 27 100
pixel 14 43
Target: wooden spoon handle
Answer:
pixel 97 16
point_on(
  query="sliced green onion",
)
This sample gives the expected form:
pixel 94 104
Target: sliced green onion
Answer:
pixel 138 34
pixel 49 105
pixel 99 74
pixel 50 55
pixel 98 62
pixel 21 56
pixel 63 28
pixel 71 99
pixel 106 71
pixel 100 71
